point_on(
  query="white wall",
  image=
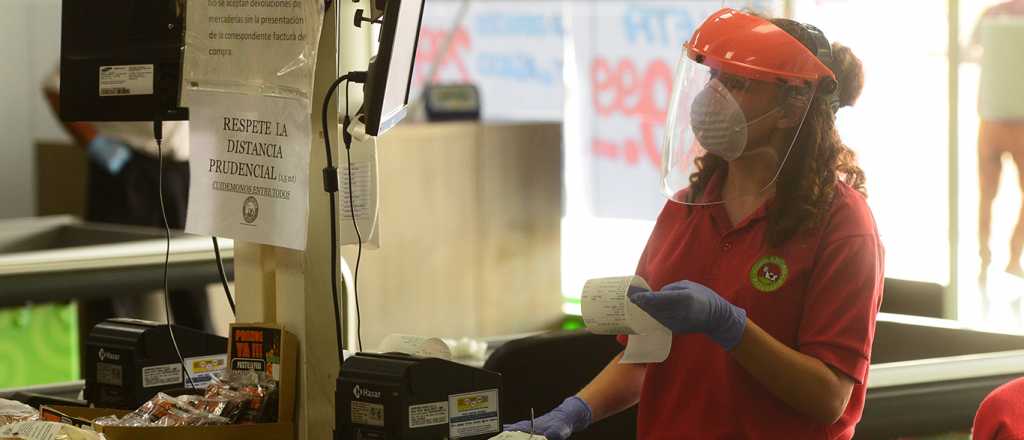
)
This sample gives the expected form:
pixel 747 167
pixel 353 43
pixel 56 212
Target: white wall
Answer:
pixel 29 49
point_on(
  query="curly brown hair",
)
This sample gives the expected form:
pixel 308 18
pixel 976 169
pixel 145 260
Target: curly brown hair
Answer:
pixel 819 158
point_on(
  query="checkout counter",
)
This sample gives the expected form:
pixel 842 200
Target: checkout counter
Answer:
pixel 58 259
pixel 927 377
pixel 61 258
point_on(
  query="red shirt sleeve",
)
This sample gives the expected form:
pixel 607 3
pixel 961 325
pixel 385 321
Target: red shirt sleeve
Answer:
pixel 1001 414
pixel 842 300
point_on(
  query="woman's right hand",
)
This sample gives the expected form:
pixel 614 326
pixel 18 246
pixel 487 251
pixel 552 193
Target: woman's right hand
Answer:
pixel 573 415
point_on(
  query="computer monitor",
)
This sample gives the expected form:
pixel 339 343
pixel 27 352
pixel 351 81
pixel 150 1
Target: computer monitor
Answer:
pixel 120 60
pixel 386 92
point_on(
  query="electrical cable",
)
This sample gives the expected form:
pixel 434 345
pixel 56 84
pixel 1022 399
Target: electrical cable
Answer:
pixel 331 187
pixel 355 225
pixel 223 276
pixel 158 135
pixel 331 183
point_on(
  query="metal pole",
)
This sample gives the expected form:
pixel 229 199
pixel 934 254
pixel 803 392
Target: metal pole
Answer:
pixel 951 300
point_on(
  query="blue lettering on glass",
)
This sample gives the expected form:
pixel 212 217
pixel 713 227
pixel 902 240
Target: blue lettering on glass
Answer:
pixel 519 67
pixel 556 25
pixel 658 26
pixel 517 25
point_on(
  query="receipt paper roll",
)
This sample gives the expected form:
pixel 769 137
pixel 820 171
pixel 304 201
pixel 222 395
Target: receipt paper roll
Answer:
pixel 607 310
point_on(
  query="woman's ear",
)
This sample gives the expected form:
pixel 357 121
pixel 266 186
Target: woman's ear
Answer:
pixel 794 109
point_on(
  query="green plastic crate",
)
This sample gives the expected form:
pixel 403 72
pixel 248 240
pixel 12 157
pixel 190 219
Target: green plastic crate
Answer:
pixel 38 345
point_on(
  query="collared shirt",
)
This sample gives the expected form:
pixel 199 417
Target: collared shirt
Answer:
pixel 818 293
pixel 1001 414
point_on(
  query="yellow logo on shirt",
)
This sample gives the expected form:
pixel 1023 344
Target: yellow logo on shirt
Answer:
pixel 769 273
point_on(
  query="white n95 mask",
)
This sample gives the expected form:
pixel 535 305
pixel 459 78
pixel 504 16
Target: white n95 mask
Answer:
pixel 719 123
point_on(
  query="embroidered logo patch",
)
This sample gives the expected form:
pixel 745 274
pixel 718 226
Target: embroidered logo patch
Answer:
pixel 769 273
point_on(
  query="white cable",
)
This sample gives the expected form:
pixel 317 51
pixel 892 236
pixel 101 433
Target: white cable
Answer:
pixel 167 258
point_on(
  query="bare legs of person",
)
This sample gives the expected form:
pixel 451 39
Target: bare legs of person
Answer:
pixel 989 169
pixel 1017 240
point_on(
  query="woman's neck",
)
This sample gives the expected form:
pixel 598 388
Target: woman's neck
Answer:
pixel 751 176
pixel 746 188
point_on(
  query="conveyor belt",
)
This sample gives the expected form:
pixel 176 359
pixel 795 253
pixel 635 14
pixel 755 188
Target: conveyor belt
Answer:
pixel 61 259
pixel 928 376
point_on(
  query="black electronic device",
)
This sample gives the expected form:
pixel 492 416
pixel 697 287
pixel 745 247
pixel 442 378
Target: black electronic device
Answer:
pixel 402 397
pixel 389 77
pixel 452 102
pixel 120 60
pixel 129 360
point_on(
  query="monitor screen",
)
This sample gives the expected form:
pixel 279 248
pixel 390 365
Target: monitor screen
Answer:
pixel 390 73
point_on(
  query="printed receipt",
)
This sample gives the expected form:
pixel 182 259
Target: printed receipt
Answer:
pixel 607 310
pixel 34 430
pixel 416 345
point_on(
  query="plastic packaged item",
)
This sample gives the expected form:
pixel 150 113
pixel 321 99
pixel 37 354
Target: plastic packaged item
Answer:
pixel 259 390
pixel 153 410
pixel 12 411
pixel 222 402
pixel 163 410
pixel 178 417
pixel 241 396
pixel 106 421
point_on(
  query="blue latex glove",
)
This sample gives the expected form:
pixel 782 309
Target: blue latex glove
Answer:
pixel 573 415
pixel 108 153
pixel 688 307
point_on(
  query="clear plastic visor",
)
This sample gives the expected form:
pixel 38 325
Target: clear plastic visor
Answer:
pixel 727 136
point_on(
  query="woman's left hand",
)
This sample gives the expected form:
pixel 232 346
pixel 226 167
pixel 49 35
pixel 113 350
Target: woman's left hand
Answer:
pixel 689 307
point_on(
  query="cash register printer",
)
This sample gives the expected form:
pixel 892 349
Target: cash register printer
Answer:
pixel 403 397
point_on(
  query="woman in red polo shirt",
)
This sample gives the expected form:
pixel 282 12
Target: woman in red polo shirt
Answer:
pixel 766 262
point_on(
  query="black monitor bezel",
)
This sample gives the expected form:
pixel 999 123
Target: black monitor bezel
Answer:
pixel 377 74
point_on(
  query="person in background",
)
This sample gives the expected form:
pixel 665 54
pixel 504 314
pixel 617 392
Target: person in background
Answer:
pixel 1001 414
pixel 122 188
pixel 766 263
pixel 1001 131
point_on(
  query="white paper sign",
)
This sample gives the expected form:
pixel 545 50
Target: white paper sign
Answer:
pixel 249 168
pixel 365 187
pixel 263 47
pixel 607 310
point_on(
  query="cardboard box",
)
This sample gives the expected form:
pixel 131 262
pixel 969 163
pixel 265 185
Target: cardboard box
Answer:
pixel 260 431
pixel 270 348
pixel 264 347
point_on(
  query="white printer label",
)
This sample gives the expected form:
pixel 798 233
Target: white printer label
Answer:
pixel 135 79
pixel 473 414
pixel 201 369
pixel 428 414
pixel 364 413
pixel 161 375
